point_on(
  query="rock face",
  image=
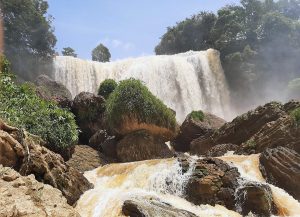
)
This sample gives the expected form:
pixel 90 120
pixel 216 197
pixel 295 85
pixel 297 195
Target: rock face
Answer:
pixel 24 196
pixel 51 90
pixel 212 182
pixel 281 166
pixel 220 150
pixel 89 111
pixel 142 145
pixel 267 126
pixel 256 198
pixel 148 207
pixel 194 128
pixel 29 157
pixel 86 158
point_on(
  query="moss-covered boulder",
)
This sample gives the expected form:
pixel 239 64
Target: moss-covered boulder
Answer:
pixel 133 107
pixel 107 87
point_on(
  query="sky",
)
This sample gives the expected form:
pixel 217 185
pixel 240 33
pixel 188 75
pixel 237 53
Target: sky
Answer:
pixel 129 28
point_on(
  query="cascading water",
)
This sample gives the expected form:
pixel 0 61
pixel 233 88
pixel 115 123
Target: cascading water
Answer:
pixel 185 82
pixel 116 183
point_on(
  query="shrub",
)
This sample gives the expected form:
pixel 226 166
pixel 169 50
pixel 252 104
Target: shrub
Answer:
pixel 197 115
pixel 296 115
pixel 107 87
pixel 132 99
pixel 21 107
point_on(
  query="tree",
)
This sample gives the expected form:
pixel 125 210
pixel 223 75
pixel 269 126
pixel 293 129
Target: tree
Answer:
pixel 101 54
pixel 28 36
pixel 68 51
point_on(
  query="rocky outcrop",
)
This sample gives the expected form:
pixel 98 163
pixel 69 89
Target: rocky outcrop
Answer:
pixel 212 182
pixel 142 145
pixel 220 150
pixel 24 196
pixel 86 158
pixel 98 138
pixel 28 156
pixel 149 206
pixel 256 198
pixel 281 167
pixel 50 90
pixel 193 128
pixel 267 126
pixel 89 111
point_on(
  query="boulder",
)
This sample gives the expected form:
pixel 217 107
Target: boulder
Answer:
pixel 89 110
pixel 25 196
pixel 193 128
pixel 212 182
pixel 98 138
pixel 86 158
pixel 149 207
pixel 30 157
pixel 220 150
pixel 281 167
pixel 51 90
pixel 142 145
pixel 256 198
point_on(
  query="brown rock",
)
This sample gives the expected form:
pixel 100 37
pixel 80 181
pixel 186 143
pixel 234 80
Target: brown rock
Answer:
pixel 220 150
pixel 281 167
pixel 149 207
pixel 51 90
pixel 142 145
pixel 89 111
pixel 212 182
pixel 47 166
pixel 193 128
pixel 24 196
pixel 86 158
pixel 256 198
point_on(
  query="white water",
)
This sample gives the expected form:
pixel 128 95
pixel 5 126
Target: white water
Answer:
pixel 185 82
pixel 116 183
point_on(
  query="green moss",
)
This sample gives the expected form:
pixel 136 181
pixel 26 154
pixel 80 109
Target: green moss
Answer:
pixel 107 87
pixel 22 108
pixel 251 144
pixel 197 115
pixel 296 116
pixel 133 99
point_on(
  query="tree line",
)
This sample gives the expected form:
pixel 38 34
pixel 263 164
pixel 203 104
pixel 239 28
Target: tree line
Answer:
pixel 259 44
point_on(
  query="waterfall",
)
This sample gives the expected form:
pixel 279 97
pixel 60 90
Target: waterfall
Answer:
pixel 184 82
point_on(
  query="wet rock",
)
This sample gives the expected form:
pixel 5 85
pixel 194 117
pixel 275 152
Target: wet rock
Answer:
pixel 149 207
pixel 109 147
pixel 98 138
pixel 256 198
pixel 220 150
pixel 48 167
pixel 86 158
pixel 51 90
pixel 89 111
pixel 202 145
pixel 193 128
pixel 25 196
pixel 142 145
pixel 212 182
pixel 281 167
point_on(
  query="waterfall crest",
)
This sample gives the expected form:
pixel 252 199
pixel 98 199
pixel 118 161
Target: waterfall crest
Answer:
pixel 184 82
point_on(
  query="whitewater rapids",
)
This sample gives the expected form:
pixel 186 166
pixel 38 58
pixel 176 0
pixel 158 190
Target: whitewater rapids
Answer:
pixel 185 82
pixel 116 183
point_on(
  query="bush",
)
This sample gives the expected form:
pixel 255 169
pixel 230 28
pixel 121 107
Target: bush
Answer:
pixel 197 115
pixel 296 115
pixel 132 99
pixel 22 108
pixel 107 87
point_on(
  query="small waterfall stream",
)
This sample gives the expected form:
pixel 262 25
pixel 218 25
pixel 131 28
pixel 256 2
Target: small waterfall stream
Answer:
pixel 184 82
pixel 116 183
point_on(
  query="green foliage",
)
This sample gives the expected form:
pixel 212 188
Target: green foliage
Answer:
pixel 197 115
pixel 107 87
pixel 68 51
pixel 101 54
pixel 132 99
pixel 28 35
pixel 21 107
pixel 296 116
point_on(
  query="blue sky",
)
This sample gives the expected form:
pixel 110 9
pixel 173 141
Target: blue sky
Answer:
pixel 129 28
